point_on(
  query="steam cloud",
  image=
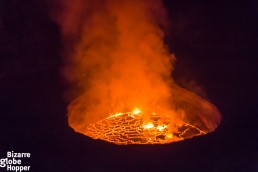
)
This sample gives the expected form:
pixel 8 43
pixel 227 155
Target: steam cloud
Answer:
pixel 117 60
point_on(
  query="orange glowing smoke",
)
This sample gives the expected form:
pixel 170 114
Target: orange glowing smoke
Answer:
pixel 117 60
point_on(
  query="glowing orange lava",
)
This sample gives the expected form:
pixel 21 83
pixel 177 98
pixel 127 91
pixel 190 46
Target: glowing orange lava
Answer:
pixel 191 116
pixel 131 128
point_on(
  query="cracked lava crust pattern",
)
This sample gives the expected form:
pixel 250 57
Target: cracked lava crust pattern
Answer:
pixel 127 128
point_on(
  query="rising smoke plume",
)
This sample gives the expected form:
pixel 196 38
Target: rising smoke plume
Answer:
pixel 117 60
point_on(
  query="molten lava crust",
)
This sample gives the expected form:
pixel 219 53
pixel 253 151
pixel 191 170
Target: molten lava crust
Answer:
pixel 129 128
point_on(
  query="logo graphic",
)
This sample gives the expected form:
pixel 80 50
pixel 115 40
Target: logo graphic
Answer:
pixel 13 162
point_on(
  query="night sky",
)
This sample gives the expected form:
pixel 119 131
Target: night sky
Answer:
pixel 215 43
